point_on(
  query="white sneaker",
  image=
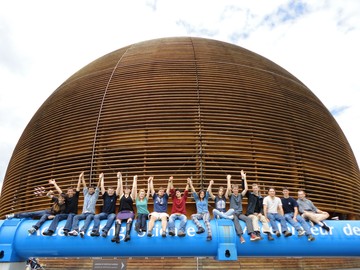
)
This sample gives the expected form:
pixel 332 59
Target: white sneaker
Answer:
pixel 301 232
pixel 9 216
pixel 32 230
pixel 73 233
pixel 231 217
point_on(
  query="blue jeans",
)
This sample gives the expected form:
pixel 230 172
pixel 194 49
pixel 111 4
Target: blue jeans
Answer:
pixel 110 220
pixel 304 225
pixel 88 218
pixel 41 221
pixel 141 221
pixel 32 214
pixel 171 223
pixel 54 223
pixel 69 222
pixel 226 214
pixel 275 216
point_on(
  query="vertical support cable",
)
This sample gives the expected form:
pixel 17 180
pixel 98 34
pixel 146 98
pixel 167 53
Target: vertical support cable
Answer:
pixel 99 114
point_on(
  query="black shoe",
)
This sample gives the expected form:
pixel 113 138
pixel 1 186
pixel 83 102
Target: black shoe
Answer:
pixel 287 234
pixel 172 233
pixel 258 234
pixel 311 238
pixel 200 230
pixel 325 227
pixel 149 234
pixel 208 238
pixel 104 233
pixel 127 238
pixel 82 234
pixel 163 234
pixel 66 232
pixel 270 238
pixel 116 239
pixel 94 233
pixel 48 233
pixel 277 233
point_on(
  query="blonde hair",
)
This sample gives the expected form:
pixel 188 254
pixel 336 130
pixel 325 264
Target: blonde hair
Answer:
pixel 141 190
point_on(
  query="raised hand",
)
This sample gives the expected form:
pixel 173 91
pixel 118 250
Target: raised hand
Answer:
pixel 52 181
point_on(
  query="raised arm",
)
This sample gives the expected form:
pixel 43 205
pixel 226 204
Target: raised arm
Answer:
pixel 170 184
pixel 119 189
pixel 82 179
pixel 243 178
pixel 228 186
pixel 102 185
pixel 98 183
pixel 191 185
pixel 148 187
pixel 187 184
pixel 152 190
pixel 53 182
pixel 209 189
pixel 134 188
pixel 81 176
pixel 50 194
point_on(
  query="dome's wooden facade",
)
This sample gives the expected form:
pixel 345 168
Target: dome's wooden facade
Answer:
pixel 184 107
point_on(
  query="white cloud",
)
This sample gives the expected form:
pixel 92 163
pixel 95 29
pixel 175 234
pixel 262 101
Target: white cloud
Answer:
pixel 43 42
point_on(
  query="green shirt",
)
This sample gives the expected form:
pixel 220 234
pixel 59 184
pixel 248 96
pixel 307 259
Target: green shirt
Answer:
pixel 141 206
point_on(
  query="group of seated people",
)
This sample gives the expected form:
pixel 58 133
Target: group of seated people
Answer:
pixel 265 210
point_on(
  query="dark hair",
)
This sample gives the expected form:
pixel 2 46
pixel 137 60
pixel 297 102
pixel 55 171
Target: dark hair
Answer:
pixel 201 190
pixel 285 188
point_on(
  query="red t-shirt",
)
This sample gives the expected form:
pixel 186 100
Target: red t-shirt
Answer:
pixel 179 204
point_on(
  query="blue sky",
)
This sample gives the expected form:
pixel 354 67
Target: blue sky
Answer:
pixel 42 43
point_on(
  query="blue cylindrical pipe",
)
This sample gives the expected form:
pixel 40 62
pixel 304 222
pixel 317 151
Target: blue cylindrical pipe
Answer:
pixel 16 244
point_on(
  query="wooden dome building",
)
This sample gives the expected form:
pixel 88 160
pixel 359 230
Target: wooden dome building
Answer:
pixel 184 107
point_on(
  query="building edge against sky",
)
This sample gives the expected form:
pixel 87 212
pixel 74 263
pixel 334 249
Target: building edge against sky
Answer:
pixel 184 106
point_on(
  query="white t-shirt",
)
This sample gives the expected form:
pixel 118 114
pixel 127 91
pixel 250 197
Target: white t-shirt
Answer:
pixel 272 204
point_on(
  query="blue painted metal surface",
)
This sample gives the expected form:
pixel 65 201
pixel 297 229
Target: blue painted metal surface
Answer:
pixel 16 244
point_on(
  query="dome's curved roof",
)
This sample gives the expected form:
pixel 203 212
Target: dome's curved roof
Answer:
pixel 184 107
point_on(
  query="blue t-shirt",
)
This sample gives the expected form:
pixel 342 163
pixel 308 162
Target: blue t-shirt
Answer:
pixel 160 203
pixel 288 204
pixel 201 206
